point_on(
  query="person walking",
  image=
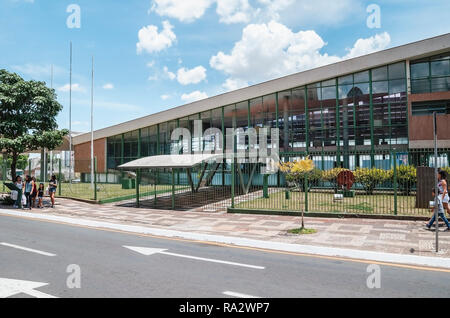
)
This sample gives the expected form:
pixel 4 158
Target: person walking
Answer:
pixel 28 190
pixel 53 184
pixel 443 190
pixel 19 184
pixel 441 214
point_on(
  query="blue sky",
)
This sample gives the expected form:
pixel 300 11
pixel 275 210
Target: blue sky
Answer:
pixel 156 54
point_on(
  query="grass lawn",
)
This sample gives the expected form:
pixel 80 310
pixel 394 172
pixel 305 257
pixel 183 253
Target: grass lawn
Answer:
pixel 324 202
pixel 302 231
pixel 109 191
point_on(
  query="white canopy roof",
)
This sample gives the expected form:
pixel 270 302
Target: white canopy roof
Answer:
pixel 169 161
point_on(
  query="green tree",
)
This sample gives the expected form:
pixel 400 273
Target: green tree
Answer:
pixel 28 111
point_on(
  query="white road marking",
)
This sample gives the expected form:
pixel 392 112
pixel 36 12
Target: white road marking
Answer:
pixel 11 287
pixel 150 251
pixel 238 295
pixel 27 249
pixel 365 255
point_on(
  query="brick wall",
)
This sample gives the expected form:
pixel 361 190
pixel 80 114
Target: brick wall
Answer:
pixel 83 156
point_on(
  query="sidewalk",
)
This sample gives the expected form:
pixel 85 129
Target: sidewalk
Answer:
pixel 388 236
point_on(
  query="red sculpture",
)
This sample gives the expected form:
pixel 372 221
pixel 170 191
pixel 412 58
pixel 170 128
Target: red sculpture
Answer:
pixel 345 179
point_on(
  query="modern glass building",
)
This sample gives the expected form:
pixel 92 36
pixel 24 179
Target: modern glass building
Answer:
pixel 345 114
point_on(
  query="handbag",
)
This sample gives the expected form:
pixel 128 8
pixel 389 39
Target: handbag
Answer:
pixel 14 195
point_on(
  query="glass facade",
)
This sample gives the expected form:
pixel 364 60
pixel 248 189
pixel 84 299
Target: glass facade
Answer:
pixel 431 74
pixel 364 109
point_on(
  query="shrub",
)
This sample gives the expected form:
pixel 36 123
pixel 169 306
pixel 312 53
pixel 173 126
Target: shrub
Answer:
pixel 297 171
pixel 406 178
pixel 371 178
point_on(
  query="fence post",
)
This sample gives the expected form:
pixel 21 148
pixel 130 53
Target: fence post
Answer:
pixel 4 173
pixel 306 193
pixel 232 181
pixel 266 186
pixel 138 179
pixel 395 184
pixel 59 177
pixel 95 178
pixel 173 189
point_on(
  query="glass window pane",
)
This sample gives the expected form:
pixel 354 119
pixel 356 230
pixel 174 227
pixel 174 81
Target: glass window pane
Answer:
pixel 345 80
pixel 379 74
pixel 379 91
pixel 420 70
pixel 361 77
pixel 397 70
pixel 420 86
pixel 440 68
pixel 440 84
pixel 329 82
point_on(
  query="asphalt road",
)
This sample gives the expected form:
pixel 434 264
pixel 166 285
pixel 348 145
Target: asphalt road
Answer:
pixel 108 269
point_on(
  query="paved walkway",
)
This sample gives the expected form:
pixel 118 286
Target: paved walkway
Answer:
pixel 392 236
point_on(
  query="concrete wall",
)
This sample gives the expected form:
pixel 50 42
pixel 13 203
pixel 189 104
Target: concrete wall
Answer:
pixel 83 156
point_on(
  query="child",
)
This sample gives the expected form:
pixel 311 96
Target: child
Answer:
pixel 441 214
pixel 41 191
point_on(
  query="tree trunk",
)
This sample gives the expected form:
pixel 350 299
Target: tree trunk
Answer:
pixel 13 166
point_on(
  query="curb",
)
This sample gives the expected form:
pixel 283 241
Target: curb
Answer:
pixel 331 215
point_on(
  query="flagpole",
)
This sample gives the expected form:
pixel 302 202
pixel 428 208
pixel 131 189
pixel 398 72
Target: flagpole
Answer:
pixel 436 190
pixel 92 126
pixel 70 117
pixel 51 152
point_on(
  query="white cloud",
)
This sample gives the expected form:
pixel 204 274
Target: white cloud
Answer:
pixel 108 86
pixel 365 46
pixel 192 76
pixel 38 71
pixel 168 73
pixel 307 12
pixel 272 50
pixel 234 11
pixel 183 10
pixel 194 96
pixel 165 97
pixel 234 84
pixel 75 88
pixel 150 40
pixel 151 64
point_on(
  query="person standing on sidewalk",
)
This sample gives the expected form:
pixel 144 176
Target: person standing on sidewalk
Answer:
pixel 28 190
pixel 34 192
pixel 441 213
pixel 19 184
pixel 53 184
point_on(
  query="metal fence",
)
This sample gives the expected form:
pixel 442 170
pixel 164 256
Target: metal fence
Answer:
pixel 383 182
pixel 388 183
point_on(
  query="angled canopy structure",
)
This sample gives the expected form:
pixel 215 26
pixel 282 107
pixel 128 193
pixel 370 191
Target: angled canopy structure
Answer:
pixel 170 161
pixel 178 162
